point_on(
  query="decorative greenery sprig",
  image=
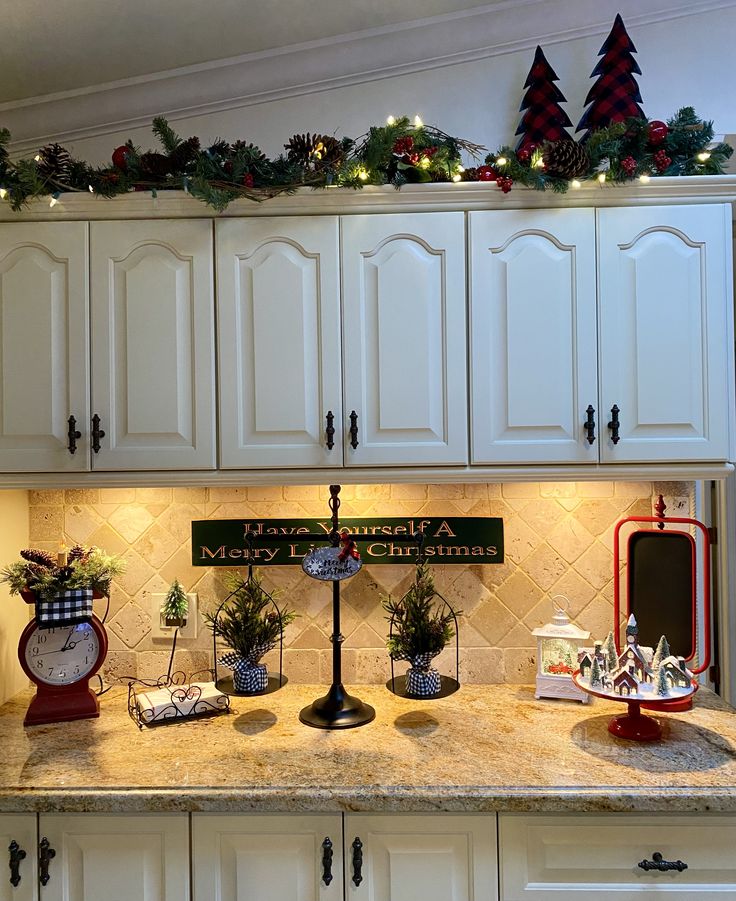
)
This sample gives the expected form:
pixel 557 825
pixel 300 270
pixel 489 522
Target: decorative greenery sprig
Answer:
pixel 243 622
pixel 38 571
pixel 418 624
pixel 176 603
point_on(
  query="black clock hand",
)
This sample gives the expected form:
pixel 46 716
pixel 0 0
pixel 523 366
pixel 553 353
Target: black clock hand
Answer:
pixel 66 642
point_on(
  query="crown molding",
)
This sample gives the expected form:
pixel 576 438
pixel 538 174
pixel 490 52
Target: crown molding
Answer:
pixel 301 69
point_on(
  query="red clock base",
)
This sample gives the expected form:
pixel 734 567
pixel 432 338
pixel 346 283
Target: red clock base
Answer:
pixel 61 707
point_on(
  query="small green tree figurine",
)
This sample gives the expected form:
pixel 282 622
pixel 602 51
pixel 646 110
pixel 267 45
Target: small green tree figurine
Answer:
pixel 662 652
pixel 175 606
pixel 419 632
pixel 663 685
pixel 609 649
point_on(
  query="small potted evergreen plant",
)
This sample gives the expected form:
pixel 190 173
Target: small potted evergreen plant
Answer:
pixel 249 629
pixel 62 587
pixel 419 631
pixel 175 607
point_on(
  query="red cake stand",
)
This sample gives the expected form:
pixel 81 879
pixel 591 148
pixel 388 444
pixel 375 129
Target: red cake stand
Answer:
pixel 633 725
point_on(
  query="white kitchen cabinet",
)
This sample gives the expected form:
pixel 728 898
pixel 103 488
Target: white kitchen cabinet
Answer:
pixel 117 858
pixel 44 346
pixel 19 829
pixel 587 857
pixel 279 342
pixel 404 338
pixel 266 857
pixel 422 857
pixel 153 364
pixel 533 335
pixel 666 335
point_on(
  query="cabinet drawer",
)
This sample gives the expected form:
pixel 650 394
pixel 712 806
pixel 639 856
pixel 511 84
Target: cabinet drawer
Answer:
pixel 594 857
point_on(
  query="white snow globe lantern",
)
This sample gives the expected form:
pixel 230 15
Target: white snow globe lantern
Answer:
pixel 557 655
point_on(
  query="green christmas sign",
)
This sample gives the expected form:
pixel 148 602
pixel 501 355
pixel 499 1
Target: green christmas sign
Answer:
pixel 467 539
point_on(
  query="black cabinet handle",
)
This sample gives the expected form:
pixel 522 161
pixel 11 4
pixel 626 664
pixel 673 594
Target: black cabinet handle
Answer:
pixel 656 863
pixel 353 430
pixel 357 861
pixel 45 855
pixel 73 435
pixel 327 861
pixel 97 433
pixel 613 425
pixel 16 855
pixel 589 424
pixel 330 430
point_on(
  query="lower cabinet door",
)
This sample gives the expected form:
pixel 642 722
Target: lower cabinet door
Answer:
pixel 279 857
pixel 117 858
pixel 586 857
pixel 19 881
pixel 422 857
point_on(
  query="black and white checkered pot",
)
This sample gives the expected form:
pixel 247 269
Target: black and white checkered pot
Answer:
pixel 248 677
pixel 67 608
pixel 422 679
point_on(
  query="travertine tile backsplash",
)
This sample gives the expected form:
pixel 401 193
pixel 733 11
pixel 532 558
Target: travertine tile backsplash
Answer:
pixel 557 536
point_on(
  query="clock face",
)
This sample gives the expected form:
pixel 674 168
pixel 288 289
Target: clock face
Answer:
pixel 63 655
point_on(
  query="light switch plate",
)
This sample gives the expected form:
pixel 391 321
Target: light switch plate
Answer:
pixel 160 630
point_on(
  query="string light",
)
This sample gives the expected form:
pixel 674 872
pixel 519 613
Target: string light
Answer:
pixel 362 174
pixel 705 155
pixel 3 193
pixel 575 183
pixel 418 122
pixel 601 177
pixel 54 200
pixel 644 179
pixel 425 163
pixel 457 177
pixel 37 157
pixel 90 189
pixel 461 168
pixel 501 161
pixel 539 162
pixel 391 120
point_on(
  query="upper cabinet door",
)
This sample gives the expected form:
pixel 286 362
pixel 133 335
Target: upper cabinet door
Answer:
pixel 532 336
pixel 404 338
pixel 44 346
pixel 279 342
pixel 153 370
pixel 665 332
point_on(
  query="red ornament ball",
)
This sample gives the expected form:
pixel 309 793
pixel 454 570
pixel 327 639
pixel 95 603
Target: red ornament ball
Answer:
pixel 248 180
pixel 120 157
pixel 504 183
pixel 629 164
pixel 524 154
pixel 486 173
pixel 657 131
pixel 662 161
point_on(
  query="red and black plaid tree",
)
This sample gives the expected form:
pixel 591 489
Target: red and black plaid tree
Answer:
pixel 543 119
pixel 615 95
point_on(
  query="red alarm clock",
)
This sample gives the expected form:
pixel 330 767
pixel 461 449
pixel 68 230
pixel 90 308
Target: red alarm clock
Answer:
pixel 61 661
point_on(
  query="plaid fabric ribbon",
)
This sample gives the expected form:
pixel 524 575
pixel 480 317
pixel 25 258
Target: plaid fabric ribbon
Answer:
pixel 67 608
pixel 248 677
pixel 422 679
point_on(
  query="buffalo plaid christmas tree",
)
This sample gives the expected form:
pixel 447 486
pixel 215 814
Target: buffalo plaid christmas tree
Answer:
pixel 615 95
pixel 543 119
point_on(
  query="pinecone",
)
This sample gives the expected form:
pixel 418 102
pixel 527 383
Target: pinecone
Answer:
pixel 565 158
pixel 314 151
pixel 55 163
pixel 78 552
pixel 184 153
pixel 155 165
pixel 42 558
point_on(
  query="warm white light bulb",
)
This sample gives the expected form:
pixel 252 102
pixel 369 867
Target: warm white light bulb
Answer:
pixel 457 177
pixel 575 183
pixel 391 120
pixel 501 161
pixel 90 189
pixel 601 177
pixel 461 168
pixel 418 122
pixel 644 179
pixel 704 156
pixel 37 157
pixel 53 202
pixel 539 162
pixel 3 193
pixel 362 175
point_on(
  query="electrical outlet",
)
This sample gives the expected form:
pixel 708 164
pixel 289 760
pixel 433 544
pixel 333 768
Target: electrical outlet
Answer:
pixel 160 630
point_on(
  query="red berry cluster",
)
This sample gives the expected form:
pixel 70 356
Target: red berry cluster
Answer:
pixel 248 180
pixel 404 145
pixel 662 161
pixel 504 182
pixel 629 164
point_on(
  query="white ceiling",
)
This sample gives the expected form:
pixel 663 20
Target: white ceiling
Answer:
pixel 50 46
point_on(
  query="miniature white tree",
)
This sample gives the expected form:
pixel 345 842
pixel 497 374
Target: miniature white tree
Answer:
pixel 662 652
pixel 609 648
pixel 596 677
pixel 663 686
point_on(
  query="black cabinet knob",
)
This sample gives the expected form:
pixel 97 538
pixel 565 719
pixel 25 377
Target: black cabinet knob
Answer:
pixel 589 424
pixel 45 855
pixel 97 433
pixel 73 435
pixel 353 430
pixel 16 855
pixel 357 861
pixel 614 424
pixel 658 863
pixel 327 861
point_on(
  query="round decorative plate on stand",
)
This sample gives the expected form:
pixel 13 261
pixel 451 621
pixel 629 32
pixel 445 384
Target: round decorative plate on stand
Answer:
pixel 635 725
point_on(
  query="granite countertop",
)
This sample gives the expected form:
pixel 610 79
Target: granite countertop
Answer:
pixel 484 748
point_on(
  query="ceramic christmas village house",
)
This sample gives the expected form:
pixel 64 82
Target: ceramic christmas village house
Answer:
pixel 636 671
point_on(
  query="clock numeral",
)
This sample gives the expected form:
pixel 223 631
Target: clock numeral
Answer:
pixel 51 670
pixel 34 652
pixel 86 659
pixel 39 664
pixel 76 670
pixel 40 638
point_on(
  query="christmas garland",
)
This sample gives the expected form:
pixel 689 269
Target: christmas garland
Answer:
pixel 400 152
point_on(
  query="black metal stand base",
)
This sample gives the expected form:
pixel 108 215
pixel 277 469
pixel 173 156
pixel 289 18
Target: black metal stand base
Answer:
pixel 337 710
